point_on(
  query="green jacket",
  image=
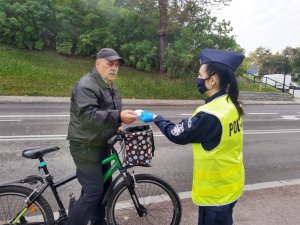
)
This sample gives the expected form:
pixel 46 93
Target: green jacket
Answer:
pixel 95 111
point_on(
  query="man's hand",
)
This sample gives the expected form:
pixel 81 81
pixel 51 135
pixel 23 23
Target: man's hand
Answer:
pixel 128 116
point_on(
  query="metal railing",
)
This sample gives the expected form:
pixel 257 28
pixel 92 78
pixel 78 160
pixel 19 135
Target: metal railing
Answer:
pixel 274 83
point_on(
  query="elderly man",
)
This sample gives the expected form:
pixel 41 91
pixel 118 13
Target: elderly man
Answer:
pixel 95 115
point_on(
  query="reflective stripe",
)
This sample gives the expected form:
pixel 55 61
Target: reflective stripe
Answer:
pixel 218 191
pixel 216 175
pixel 219 175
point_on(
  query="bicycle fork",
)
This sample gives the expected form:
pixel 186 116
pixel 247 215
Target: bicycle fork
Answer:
pixel 131 185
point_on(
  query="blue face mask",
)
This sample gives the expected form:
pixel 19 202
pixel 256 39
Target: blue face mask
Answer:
pixel 201 85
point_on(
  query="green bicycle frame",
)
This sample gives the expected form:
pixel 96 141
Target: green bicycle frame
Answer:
pixel 114 167
pixel 117 165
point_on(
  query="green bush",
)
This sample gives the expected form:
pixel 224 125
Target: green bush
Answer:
pixel 180 60
pixel 140 54
pixel 64 44
pixel 26 24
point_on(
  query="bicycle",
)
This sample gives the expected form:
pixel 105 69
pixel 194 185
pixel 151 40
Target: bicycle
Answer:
pixel 131 199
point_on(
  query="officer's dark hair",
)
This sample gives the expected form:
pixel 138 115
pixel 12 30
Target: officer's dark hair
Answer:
pixel 228 82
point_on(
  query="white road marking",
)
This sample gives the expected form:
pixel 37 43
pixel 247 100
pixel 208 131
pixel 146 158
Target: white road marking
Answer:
pixel 281 131
pixel 33 137
pixel 32 116
pixel 156 134
pixel 262 113
pixel 246 113
pixel 10 120
pixel 290 117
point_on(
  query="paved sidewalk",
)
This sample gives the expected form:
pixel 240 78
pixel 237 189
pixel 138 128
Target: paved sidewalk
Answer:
pixel 266 206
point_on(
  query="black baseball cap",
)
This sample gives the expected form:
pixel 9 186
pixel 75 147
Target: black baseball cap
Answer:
pixel 109 54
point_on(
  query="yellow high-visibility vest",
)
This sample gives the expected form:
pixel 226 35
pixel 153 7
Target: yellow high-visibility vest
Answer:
pixel 219 175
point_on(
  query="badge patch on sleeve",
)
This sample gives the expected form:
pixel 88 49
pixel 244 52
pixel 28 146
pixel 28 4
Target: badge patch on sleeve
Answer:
pixel 177 130
pixel 190 122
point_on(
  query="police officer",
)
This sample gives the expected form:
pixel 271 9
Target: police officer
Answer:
pixel 216 133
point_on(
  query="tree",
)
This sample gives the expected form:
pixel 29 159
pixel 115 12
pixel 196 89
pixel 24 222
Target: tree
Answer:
pixel 27 24
pixel 269 63
pixel 163 35
pixel 295 61
pixel 162 31
pixel 176 15
pixel 261 57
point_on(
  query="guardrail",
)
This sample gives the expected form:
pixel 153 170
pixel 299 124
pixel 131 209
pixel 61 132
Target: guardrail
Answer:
pixel 278 85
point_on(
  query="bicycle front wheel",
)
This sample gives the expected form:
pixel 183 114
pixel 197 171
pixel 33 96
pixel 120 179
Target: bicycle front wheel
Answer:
pixel 12 202
pixel 160 201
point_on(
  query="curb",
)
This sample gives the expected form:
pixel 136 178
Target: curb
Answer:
pixel 254 187
pixel 136 102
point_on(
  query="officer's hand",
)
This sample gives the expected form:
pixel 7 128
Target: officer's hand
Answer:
pixel 128 116
pixel 147 116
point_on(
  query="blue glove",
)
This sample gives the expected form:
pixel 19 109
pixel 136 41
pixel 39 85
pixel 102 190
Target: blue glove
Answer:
pixel 147 116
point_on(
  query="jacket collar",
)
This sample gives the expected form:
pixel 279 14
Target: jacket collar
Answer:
pixel 218 94
pixel 100 80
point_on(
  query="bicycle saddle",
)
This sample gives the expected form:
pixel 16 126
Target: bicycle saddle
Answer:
pixel 36 153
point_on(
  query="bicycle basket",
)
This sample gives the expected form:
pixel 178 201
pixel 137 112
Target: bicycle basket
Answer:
pixel 139 145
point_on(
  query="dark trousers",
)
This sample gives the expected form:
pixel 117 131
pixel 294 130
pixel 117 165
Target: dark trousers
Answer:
pixel 216 215
pixel 90 176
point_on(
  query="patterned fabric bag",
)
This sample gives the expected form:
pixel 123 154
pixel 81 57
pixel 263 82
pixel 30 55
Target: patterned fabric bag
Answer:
pixel 139 144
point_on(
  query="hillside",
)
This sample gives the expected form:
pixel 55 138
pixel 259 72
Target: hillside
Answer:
pixel 36 73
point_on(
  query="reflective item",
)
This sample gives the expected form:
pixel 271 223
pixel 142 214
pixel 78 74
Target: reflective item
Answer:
pixel 219 175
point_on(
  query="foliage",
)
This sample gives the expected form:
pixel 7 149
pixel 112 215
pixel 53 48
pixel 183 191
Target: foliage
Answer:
pixel 180 59
pixel 288 61
pixel 45 73
pixel 295 61
pixel 82 27
pixel 27 24
pixel 182 53
pixel 140 54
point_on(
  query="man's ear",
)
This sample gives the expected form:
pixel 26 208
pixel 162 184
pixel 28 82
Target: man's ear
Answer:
pixel 98 64
pixel 98 61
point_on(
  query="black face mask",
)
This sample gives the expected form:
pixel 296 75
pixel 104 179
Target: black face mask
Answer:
pixel 201 85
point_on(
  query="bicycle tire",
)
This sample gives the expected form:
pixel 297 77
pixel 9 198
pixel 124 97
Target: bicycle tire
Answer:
pixel 12 201
pixel 157 196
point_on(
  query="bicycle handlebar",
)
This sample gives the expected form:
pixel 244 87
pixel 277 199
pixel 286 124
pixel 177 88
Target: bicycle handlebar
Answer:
pixel 114 139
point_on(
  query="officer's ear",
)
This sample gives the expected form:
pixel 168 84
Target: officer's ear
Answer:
pixel 215 80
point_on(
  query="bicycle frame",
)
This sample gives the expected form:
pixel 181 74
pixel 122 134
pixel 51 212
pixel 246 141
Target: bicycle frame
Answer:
pixel 49 182
pixel 117 165
pixel 54 185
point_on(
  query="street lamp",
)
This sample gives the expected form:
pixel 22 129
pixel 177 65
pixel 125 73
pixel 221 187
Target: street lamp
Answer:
pixel 285 71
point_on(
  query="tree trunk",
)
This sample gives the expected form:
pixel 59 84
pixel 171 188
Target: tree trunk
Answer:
pixel 162 32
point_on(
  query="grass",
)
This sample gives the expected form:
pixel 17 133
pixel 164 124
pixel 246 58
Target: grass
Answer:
pixel 45 73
